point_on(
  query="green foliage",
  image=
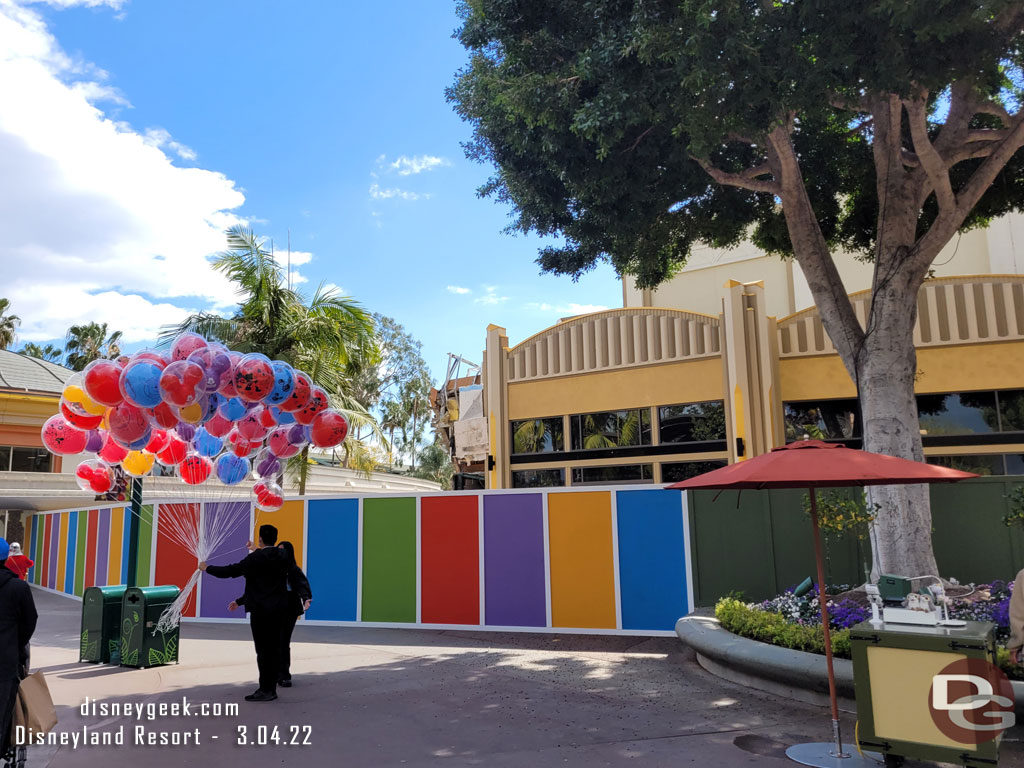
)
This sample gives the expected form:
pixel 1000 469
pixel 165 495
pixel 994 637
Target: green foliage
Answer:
pixel 767 627
pixel 435 465
pixel 839 514
pixel 48 352
pixel 88 650
pixel 1015 517
pixel 88 342
pixel 593 115
pixel 8 324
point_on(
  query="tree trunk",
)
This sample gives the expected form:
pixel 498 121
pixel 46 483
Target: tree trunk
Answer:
pixel 886 367
pixel 304 471
pixel 414 414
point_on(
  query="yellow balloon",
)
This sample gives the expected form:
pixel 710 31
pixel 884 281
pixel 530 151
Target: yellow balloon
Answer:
pixel 137 463
pixel 191 414
pixel 77 396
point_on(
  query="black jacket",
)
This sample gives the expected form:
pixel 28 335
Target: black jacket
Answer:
pixel 266 577
pixel 299 592
pixel 17 623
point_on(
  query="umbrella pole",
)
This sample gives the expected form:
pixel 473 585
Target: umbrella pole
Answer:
pixel 822 603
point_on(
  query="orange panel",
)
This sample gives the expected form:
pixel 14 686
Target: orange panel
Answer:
pixel 582 565
pixel 289 523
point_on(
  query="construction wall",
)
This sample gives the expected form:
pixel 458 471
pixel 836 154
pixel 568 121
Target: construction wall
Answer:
pixel 607 560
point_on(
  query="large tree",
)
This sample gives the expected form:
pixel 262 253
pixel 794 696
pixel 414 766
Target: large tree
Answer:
pixel 88 342
pixel 637 129
pixel 8 324
pixel 49 353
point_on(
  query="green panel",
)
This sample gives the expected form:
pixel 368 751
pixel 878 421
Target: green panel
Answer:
pixel 140 644
pixel 145 545
pixel 389 560
pixel 971 542
pixel 732 545
pixel 81 541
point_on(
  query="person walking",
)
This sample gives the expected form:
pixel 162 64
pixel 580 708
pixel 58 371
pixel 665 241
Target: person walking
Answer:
pixel 299 597
pixel 266 598
pixel 17 623
pixel 19 563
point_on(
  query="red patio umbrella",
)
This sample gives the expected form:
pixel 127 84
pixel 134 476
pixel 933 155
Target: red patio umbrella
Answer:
pixel 815 464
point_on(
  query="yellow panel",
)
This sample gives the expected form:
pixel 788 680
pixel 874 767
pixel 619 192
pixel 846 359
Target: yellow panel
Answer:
pixel 116 541
pixel 62 552
pixel 664 384
pixel 809 378
pixel 582 572
pixel 289 523
pixel 900 683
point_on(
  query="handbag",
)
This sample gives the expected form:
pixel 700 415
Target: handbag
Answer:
pixel 33 708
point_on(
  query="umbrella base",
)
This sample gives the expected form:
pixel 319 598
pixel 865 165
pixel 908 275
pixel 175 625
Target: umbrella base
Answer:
pixel 822 755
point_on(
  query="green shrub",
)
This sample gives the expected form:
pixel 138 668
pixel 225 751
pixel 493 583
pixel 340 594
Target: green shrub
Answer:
pixel 741 619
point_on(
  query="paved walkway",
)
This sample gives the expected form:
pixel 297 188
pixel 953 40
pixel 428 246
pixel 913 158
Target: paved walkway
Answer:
pixel 383 697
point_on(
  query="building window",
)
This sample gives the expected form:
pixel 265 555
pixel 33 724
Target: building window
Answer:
pixel 684 470
pixel 1011 410
pixel 30 460
pixel 538 478
pixel 822 419
pixel 979 464
pixel 537 436
pixel 611 429
pixel 965 413
pixel 692 422
pixel 5 458
pixel 631 473
pixel 1015 463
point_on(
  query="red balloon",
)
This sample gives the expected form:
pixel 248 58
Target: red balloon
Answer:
pixel 158 442
pixel 174 453
pixel 149 354
pixel 112 452
pixel 61 438
pixel 254 378
pixel 250 427
pixel 162 416
pixel 195 469
pixel 97 478
pixel 186 344
pixel 77 420
pixel 218 426
pixel 243 447
pixel 317 402
pixel 127 423
pixel 102 380
pixel 179 383
pixel 300 395
pixel 328 429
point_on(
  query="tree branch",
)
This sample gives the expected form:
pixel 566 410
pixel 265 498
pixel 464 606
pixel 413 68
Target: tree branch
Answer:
pixel 931 161
pixel 744 180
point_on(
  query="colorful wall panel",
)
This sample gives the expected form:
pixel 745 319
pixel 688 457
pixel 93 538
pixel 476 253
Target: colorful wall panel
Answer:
pixel 610 560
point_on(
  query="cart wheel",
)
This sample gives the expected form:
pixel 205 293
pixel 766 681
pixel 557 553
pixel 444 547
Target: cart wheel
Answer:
pixel 22 757
pixel 894 761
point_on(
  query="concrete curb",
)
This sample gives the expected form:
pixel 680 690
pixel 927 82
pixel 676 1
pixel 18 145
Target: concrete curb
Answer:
pixel 782 671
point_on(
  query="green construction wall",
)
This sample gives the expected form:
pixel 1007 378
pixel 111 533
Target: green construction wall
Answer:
pixel 759 543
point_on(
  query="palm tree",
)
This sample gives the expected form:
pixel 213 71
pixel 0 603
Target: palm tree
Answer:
pixel 393 418
pixel 49 353
pixel 89 342
pixel 330 337
pixel 8 324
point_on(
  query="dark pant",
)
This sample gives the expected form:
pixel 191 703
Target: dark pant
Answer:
pixel 8 695
pixel 286 647
pixel 266 634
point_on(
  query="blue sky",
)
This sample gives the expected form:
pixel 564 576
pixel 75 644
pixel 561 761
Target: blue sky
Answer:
pixel 328 117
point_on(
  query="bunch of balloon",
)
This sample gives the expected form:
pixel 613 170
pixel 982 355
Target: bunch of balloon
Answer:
pixel 215 418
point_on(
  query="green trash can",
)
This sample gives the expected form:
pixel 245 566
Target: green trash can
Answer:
pixel 141 645
pixel 101 619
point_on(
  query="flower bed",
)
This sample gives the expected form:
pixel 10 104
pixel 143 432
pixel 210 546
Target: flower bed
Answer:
pixel 795 622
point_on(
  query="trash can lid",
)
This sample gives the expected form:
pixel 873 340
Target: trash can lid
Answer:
pixel 151 594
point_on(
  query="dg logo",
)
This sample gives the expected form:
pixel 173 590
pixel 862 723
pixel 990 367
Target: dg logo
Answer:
pixel 971 701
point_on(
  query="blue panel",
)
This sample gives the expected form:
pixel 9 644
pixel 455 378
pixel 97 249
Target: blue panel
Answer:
pixel 652 559
pixel 332 555
pixel 69 553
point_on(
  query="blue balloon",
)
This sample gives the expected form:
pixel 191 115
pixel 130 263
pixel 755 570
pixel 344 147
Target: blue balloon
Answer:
pixel 231 469
pixel 284 383
pixel 232 409
pixel 206 444
pixel 142 442
pixel 282 417
pixel 140 383
pixel 213 402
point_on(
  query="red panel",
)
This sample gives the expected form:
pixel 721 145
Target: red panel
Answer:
pixel 175 564
pixel 45 559
pixel 450 552
pixel 90 548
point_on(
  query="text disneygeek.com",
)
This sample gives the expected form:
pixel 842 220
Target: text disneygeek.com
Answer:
pixel 148 735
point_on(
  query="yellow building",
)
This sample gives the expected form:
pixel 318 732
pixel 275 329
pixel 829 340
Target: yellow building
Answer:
pixel 717 365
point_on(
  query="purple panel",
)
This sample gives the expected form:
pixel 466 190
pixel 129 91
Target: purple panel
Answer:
pixel 515 594
pixel 102 548
pixel 217 593
pixel 54 542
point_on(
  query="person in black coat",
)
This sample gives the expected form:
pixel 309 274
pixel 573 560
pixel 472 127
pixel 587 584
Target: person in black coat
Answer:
pixel 299 597
pixel 266 598
pixel 17 623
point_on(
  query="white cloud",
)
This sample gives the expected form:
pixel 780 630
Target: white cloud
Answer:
pixel 97 221
pixel 459 290
pixel 408 166
pixel 377 192
pixel 490 296
pixel 115 4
